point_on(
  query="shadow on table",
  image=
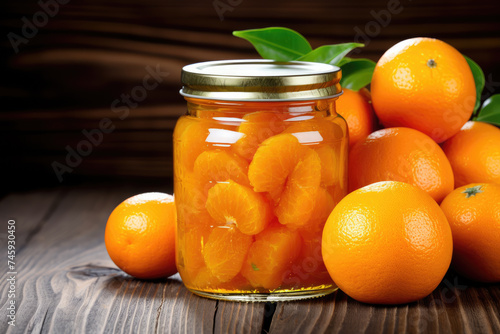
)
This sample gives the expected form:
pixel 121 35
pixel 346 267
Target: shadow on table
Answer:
pixel 115 279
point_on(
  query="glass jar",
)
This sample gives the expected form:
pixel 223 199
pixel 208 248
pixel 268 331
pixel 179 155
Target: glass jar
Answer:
pixel 260 161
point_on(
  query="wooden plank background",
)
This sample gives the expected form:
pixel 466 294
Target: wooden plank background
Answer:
pixel 65 78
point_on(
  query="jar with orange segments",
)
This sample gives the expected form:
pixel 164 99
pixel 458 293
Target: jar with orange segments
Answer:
pixel 259 163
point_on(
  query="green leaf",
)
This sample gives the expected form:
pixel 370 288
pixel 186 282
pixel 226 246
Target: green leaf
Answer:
pixel 254 267
pixel 356 73
pixel 490 111
pixel 281 44
pixel 478 75
pixel 345 60
pixel 330 54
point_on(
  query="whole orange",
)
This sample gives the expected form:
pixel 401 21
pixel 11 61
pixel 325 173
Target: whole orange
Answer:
pixel 401 154
pixel 387 243
pixel 424 84
pixel 358 113
pixel 474 153
pixel 473 212
pixel 140 235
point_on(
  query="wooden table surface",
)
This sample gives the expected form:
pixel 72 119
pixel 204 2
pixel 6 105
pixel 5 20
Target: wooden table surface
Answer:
pixel 66 283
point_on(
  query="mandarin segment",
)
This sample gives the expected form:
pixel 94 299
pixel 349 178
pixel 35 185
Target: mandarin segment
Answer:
pixel 238 282
pixel 298 199
pixel 310 257
pixel 225 252
pixel 273 251
pixel 231 203
pixel 309 268
pixel 194 224
pixel 217 165
pixel 337 191
pixel 191 199
pixel 257 127
pixel 204 279
pixel 190 142
pixel 190 243
pixel 323 206
pixel 329 165
pixel 274 160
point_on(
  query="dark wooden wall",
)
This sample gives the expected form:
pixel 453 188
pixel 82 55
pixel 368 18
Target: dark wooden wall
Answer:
pixel 66 77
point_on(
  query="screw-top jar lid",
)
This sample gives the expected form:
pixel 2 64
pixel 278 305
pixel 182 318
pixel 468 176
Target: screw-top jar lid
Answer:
pixel 260 80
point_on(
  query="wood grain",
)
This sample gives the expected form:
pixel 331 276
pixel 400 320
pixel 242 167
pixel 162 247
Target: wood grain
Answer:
pixel 67 283
pixel 456 306
pixel 239 317
pixel 65 79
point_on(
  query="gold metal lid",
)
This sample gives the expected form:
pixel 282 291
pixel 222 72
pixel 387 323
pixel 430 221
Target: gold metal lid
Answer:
pixel 260 80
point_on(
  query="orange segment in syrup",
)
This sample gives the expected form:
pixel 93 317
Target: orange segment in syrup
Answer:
pixel 274 160
pixel 323 206
pixel 191 141
pixel 231 203
pixel 270 255
pixel 299 197
pixel 257 127
pixel 225 251
pixel 190 244
pixel 217 165
pixel 190 199
pixel 329 161
pixel 309 268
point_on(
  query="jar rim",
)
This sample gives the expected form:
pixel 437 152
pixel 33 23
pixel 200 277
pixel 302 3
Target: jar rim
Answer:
pixel 260 80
